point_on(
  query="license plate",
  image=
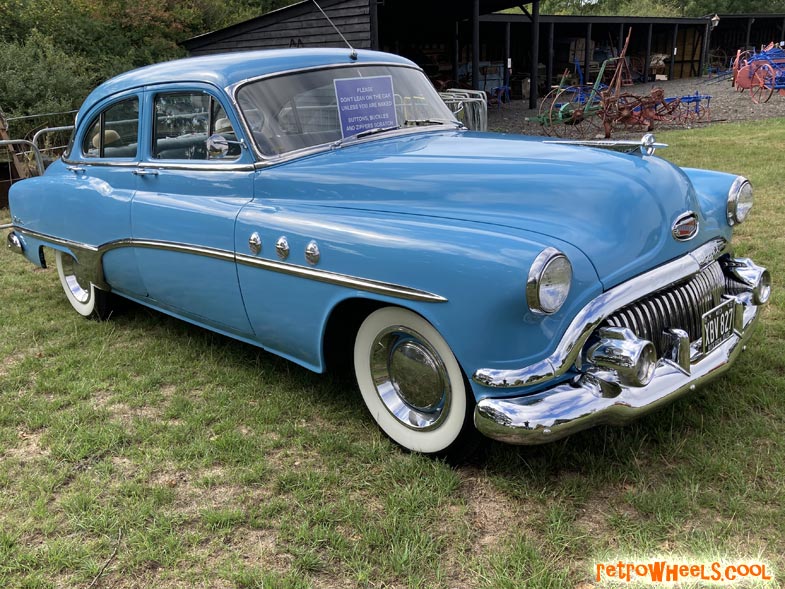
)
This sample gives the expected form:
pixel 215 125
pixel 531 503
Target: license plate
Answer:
pixel 717 325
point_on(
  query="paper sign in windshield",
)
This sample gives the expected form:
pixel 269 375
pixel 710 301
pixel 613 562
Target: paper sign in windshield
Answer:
pixel 365 104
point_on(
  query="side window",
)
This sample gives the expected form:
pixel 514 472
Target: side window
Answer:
pixel 182 123
pixel 114 132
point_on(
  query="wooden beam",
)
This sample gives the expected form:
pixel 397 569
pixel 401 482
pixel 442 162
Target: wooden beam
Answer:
pixel 549 58
pixel 456 52
pixel 697 49
pixel 535 54
pixel 674 51
pixel 587 54
pixel 507 54
pixel 647 61
pixel 374 14
pixel 705 51
pixel 476 45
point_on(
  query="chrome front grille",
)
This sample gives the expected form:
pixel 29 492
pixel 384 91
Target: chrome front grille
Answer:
pixel 681 306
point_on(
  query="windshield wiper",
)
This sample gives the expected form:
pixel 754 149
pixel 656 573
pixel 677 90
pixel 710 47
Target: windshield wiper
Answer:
pixel 375 130
pixel 428 122
pixel 366 133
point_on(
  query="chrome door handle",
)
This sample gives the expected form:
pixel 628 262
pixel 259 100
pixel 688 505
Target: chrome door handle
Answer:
pixel 76 169
pixel 145 172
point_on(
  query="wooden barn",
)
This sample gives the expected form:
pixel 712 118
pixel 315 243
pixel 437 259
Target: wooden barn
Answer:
pixel 472 42
pixel 466 42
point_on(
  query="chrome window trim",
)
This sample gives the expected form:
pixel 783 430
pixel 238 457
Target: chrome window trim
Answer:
pixel 232 89
pixel 103 162
pixel 91 257
pixel 207 166
pixel 594 313
pixel 215 95
pixel 97 110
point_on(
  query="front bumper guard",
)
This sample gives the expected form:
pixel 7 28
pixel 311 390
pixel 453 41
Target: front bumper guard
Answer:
pixel 586 401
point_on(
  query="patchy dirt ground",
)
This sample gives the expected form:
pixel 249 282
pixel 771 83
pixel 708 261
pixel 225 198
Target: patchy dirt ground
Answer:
pixel 726 104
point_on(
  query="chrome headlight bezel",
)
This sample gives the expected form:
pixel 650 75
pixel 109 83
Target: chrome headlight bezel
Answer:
pixel 740 200
pixel 549 282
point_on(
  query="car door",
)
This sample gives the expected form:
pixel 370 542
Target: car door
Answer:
pixel 95 195
pixel 186 203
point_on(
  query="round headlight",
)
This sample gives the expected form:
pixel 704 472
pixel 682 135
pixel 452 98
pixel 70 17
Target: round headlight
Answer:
pixel 739 200
pixel 549 281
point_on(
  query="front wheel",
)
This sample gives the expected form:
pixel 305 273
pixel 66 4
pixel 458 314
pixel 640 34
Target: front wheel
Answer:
pixel 84 297
pixel 411 382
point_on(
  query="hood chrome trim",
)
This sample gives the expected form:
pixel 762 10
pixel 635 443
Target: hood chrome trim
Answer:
pixel 646 146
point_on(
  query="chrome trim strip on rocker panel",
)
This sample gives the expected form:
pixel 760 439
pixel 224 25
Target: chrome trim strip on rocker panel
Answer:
pixel 90 257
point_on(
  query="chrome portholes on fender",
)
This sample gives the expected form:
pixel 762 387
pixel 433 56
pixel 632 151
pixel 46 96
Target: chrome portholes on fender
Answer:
pixel 282 247
pixel 312 254
pixel 255 243
pixel 410 380
pixel 85 298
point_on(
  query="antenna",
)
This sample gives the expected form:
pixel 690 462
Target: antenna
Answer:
pixel 353 54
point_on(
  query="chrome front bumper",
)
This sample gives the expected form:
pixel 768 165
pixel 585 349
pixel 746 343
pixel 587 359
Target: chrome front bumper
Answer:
pixel 584 403
pixel 599 396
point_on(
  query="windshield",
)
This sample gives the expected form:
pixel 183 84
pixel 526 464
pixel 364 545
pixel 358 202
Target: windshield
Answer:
pixel 305 109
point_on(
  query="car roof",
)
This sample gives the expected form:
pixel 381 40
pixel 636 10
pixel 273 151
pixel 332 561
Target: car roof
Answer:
pixel 225 69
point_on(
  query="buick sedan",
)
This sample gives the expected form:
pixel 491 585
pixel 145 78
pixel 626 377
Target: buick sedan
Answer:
pixel 327 205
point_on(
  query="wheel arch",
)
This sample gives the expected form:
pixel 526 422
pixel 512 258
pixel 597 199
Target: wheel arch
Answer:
pixel 344 320
pixel 340 329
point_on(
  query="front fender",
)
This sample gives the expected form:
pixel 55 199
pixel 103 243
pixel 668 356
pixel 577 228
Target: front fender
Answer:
pixel 481 271
pixel 712 190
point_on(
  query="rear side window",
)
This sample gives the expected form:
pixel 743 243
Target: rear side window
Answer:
pixel 183 123
pixel 114 133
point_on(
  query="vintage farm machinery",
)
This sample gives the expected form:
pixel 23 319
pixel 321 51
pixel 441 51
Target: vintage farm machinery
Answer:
pixel 586 111
pixel 761 73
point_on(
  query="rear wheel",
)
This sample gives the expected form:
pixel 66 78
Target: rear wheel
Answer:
pixel 411 382
pixel 85 298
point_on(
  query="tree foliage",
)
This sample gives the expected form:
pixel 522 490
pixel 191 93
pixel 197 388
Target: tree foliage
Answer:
pixel 37 76
pixel 691 8
pixel 53 53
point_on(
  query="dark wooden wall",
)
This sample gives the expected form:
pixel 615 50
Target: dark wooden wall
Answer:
pixel 296 27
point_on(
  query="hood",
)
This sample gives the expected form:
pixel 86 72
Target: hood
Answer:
pixel 617 208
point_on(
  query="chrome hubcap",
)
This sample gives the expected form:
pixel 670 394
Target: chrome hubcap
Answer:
pixel 75 284
pixel 410 378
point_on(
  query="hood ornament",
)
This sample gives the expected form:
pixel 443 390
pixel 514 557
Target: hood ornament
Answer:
pixel 685 227
pixel 647 144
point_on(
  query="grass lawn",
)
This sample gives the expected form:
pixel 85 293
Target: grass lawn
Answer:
pixel 179 458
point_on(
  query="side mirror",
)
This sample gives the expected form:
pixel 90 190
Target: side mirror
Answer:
pixel 217 146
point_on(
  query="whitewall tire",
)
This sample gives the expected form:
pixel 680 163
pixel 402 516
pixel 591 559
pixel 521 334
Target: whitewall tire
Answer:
pixel 85 298
pixel 410 381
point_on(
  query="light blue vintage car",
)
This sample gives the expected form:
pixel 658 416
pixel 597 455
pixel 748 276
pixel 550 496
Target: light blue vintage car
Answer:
pixel 326 205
